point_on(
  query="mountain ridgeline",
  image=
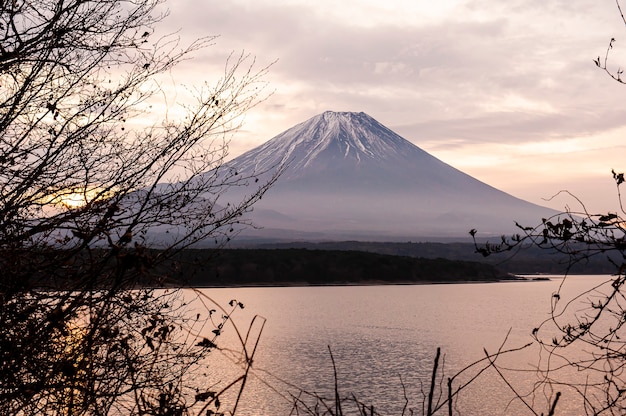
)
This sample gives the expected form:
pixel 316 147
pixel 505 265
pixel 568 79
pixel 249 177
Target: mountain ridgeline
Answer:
pixel 346 176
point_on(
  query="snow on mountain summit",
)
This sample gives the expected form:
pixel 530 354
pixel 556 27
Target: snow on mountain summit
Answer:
pixel 325 138
pixel 349 151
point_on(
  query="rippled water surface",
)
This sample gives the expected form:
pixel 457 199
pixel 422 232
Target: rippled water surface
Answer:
pixel 385 337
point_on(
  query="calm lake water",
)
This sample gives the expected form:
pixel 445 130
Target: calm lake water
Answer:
pixel 384 337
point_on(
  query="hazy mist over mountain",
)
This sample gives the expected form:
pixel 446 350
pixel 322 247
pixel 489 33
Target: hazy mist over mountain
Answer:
pixel 348 176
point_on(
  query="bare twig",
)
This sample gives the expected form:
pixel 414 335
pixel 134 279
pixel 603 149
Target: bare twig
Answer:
pixel 431 392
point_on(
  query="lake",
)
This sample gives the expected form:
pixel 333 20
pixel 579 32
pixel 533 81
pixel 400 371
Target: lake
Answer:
pixel 385 337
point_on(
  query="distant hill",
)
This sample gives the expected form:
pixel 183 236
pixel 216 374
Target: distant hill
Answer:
pixel 349 177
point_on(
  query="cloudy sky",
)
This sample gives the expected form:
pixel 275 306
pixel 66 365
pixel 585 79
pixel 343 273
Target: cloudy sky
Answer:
pixel 504 91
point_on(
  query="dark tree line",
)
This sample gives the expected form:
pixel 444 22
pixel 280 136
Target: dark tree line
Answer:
pixel 259 267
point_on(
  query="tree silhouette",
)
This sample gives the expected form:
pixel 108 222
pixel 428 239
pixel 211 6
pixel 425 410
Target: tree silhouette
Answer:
pixel 95 198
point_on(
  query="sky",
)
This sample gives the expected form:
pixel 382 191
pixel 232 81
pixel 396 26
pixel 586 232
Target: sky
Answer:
pixel 504 91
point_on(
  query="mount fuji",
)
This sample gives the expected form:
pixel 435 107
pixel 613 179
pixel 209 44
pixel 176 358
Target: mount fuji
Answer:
pixel 346 176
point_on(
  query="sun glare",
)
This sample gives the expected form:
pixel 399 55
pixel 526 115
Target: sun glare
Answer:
pixel 76 198
pixel 73 200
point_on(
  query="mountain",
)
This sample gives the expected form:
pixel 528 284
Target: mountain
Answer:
pixel 348 176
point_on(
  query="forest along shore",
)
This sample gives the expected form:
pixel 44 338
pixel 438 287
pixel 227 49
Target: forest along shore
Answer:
pixel 303 267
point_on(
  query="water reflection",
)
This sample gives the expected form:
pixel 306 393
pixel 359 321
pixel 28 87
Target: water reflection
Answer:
pixel 385 337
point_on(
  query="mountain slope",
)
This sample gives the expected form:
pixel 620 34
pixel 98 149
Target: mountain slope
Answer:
pixel 348 176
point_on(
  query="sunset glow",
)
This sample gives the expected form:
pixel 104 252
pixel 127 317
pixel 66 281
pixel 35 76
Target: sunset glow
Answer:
pixel 467 81
pixel 73 199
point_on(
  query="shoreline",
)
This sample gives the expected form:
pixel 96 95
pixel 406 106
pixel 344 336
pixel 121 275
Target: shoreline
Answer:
pixel 360 283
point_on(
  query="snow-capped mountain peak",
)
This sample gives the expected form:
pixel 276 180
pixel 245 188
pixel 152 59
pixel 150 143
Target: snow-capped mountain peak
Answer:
pixel 326 138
